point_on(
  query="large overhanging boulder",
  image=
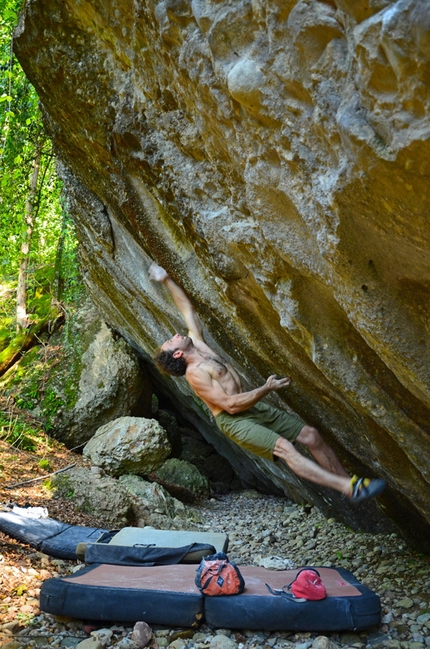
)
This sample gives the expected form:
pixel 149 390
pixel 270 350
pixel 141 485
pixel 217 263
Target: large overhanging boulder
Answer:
pixel 274 157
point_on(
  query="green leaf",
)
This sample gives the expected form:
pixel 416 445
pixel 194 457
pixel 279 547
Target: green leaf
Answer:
pixel 5 98
pixel 10 14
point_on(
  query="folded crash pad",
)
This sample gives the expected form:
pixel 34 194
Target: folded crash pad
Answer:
pixel 167 595
pixel 47 534
pixel 149 546
pixel 90 543
pixel 168 538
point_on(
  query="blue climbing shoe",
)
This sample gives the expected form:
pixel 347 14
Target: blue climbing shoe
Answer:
pixel 364 488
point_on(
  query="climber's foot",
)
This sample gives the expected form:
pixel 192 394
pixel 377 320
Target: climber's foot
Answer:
pixel 364 488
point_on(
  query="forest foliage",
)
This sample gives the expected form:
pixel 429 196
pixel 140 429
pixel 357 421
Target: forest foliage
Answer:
pixel 38 260
pixel 22 138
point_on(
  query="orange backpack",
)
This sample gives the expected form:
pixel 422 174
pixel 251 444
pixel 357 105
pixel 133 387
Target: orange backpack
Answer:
pixel 216 575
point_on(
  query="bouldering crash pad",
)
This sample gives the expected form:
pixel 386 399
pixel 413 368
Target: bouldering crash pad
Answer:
pixel 95 545
pixel 167 595
pixel 169 538
pixel 47 534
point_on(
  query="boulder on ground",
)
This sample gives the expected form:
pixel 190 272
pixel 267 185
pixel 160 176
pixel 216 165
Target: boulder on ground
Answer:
pixel 188 444
pixel 129 445
pixel 80 377
pixel 101 496
pixel 182 479
pixel 97 378
pixel 151 499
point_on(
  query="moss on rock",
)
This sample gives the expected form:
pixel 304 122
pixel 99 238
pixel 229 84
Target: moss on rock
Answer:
pixel 183 474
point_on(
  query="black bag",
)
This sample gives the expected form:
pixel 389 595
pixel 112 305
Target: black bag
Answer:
pixel 145 555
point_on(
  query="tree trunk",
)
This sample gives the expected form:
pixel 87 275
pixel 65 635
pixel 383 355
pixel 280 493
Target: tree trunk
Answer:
pixel 30 212
pixel 58 278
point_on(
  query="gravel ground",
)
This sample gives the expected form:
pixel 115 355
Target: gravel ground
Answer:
pixel 260 528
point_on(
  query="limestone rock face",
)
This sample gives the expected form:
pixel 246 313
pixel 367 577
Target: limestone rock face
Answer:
pixel 274 157
pixel 128 445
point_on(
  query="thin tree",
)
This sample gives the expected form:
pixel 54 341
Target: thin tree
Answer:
pixel 31 207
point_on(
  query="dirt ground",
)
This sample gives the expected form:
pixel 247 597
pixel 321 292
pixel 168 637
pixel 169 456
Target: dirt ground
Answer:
pixel 22 568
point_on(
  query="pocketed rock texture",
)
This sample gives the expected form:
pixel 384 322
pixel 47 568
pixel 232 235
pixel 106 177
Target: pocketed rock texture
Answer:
pixel 274 157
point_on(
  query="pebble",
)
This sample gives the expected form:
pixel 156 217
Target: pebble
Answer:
pixel 90 643
pixel 263 530
pixel 222 642
pixel 142 634
pixel 177 644
pixel 322 642
pixel 405 603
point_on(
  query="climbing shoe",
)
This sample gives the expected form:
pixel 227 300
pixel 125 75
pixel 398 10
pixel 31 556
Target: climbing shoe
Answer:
pixel 363 488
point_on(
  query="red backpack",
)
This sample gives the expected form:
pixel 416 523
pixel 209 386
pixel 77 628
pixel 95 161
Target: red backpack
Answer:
pixel 307 585
pixel 216 575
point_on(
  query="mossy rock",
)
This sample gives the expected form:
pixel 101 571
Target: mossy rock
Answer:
pixel 182 480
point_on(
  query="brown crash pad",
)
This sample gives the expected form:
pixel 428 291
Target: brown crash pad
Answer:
pixel 168 595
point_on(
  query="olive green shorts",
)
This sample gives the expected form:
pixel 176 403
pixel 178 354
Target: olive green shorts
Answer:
pixel 258 428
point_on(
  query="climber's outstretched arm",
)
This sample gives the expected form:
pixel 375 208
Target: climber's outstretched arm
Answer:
pixel 181 299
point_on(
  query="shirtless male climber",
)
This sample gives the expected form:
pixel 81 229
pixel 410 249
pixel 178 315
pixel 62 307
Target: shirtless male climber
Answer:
pixel 257 427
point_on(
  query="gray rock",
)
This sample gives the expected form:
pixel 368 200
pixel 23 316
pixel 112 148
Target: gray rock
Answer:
pixel 90 643
pixel 98 379
pixel 221 641
pixel 182 478
pixel 377 639
pixel 70 643
pixel 406 602
pixel 128 445
pixel 142 634
pixel 422 619
pixel 177 644
pixel 322 642
pixel 101 496
pixel 102 635
pixel 151 498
